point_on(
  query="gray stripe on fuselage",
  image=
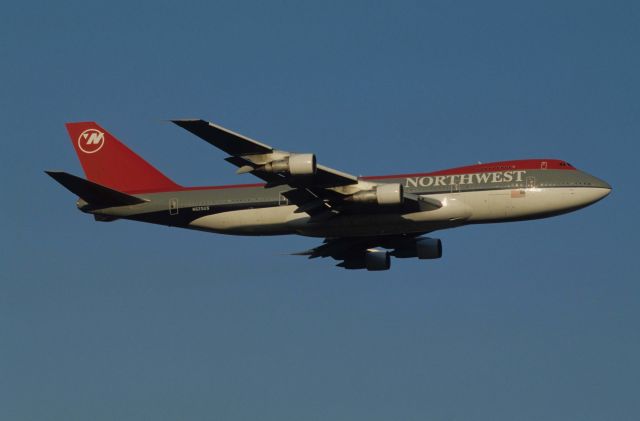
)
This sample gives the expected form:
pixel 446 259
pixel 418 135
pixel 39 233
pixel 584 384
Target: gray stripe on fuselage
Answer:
pixel 498 180
pixel 193 204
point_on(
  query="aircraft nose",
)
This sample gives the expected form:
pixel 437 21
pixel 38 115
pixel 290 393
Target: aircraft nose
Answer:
pixel 602 185
pixel 604 192
pixel 601 188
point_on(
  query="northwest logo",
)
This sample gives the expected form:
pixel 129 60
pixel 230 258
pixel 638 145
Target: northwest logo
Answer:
pixel 461 179
pixel 91 141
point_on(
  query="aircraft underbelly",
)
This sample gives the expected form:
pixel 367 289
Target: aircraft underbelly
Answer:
pixel 375 225
pixel 260 221
pixel 284 220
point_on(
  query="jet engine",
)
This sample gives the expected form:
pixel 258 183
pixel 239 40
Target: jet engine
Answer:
pixel 373 259
pixel 376 259
pixel 294 164
pixel 384 195
pixel 422 248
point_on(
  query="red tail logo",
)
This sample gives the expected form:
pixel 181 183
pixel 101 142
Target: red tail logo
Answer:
pixel 115 166
pixel 91 141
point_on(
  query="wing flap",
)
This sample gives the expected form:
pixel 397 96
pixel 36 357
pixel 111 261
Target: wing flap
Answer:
pixel 328 177
pixel 417 203
pixel 309 202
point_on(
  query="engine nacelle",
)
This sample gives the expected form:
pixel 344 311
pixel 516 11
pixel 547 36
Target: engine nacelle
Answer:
pixel 383 195
pixel 294 164
pixel 375 259
pixel 429 248
pixel 372 259
pixel 422 248
pixel 302 164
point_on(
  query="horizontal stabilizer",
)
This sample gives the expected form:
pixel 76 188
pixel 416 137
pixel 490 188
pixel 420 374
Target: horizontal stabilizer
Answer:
pixel 92 193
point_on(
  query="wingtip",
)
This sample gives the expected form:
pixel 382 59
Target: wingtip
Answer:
pixel 181 121
pixel 302 253
pixel 54 174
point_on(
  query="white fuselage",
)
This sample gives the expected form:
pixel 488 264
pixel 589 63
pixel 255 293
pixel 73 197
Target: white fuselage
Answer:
pixel 458 208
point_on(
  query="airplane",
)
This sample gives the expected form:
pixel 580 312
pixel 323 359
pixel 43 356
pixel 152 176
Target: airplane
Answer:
pixel 364 220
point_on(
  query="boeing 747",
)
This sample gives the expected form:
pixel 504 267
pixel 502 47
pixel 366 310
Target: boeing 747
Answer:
pixel 364 220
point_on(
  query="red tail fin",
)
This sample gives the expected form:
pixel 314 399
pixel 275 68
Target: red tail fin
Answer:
pixel 110 163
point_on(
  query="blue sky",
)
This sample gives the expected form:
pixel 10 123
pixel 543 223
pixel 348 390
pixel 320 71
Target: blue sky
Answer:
pixel 528 321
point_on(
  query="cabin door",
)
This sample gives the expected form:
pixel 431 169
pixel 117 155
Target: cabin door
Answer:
pixel 173 207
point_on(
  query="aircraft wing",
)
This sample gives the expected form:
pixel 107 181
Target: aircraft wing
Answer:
pixel 317 190
pixel 351 250
pixel 251 156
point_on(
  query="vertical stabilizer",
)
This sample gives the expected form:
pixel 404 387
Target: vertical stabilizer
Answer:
pixel 110 163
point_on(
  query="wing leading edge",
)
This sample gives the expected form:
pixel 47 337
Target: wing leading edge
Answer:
pixel 322 192
pixel 249 155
